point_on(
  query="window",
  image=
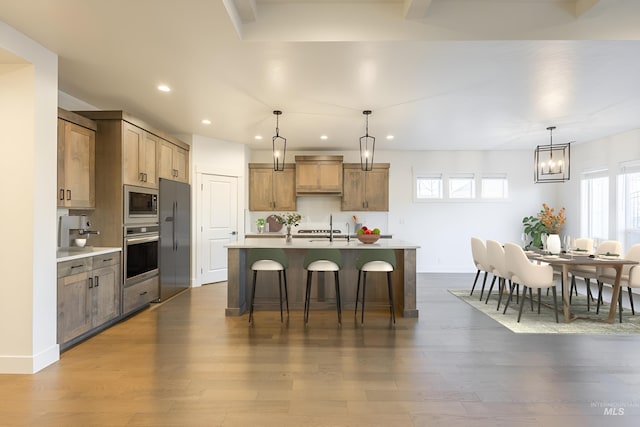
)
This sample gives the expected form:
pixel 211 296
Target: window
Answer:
pixel 594 200
pixel 462 187
pixel 429 187
pixel 629 211
pixel 494 187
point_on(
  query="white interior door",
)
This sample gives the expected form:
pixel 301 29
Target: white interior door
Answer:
pixel 218 225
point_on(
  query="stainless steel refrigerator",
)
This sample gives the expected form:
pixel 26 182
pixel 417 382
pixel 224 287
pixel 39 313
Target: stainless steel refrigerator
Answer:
pixel 175 237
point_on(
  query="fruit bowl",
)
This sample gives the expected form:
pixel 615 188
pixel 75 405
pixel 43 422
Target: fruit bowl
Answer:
pixel 368 238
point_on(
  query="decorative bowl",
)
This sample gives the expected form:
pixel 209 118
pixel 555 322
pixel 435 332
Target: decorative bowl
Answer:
pixel 80 242
pixel 368 238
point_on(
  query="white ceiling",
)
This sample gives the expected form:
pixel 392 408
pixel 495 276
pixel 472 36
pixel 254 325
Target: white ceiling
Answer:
pixel 438 74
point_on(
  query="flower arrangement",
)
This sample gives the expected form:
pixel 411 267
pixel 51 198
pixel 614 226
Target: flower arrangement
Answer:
pixel 553 222
pixel 289 219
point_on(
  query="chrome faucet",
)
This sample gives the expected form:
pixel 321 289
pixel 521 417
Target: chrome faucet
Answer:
pixel 83 232
pixel 331 227
pixel 348 233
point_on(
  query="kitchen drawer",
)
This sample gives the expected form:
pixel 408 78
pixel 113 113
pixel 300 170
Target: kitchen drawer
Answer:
pixel 106 260
pixel 140 294
pixel 67 268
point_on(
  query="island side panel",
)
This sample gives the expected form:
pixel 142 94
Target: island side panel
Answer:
pixel 409 268
pixel 236 288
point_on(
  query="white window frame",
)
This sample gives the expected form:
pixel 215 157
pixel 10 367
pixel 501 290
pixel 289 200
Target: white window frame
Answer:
pixel 628 232
pixel 435 177
pixel 471 181
pixel 494 177
pixel 594 224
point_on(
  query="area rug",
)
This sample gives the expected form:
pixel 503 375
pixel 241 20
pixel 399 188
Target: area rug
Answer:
pixel 544 323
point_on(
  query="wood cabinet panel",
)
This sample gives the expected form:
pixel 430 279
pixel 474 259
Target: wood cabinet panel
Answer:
pixel 319 175
pixel 89 294
pixel 139 157
pixel 271 190
pixel 141 294
pixel 366 191
pixel 76 166
pixel 172 161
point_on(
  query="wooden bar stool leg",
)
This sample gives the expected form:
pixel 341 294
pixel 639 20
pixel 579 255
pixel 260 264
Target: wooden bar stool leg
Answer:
pixel 338 301
pixel 280 292
pixel 391 307
pixel 253 295
pixel 357 294
pixel 364 288
pixel 307 296
pixel 286 293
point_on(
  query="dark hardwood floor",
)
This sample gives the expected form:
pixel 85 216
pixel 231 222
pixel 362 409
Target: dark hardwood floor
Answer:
pixel 184 363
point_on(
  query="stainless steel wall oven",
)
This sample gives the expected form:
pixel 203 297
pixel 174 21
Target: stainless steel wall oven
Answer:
pixel 140 252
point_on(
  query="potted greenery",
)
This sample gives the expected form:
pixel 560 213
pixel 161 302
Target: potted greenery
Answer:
pixel 546 222
pixel 261 224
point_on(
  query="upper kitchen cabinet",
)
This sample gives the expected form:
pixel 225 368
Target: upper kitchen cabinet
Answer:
pixel 76 161
pixel 319 175
pixel 271 190
pixel 139 156
pixel 365 191
pixel 173 162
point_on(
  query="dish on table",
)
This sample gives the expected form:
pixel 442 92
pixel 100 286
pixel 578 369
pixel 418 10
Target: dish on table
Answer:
pixel 578 252
pixel 609 256
pixel 529 252
pixel 550 256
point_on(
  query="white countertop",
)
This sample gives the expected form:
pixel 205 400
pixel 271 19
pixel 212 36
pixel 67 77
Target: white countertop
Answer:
pixel 76 253
pixel 319 243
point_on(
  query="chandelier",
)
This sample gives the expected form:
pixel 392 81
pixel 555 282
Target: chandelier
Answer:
pixel 552 162
pixel 367 146
pixel 279 147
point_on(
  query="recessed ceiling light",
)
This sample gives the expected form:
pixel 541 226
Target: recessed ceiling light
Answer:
pixel 258 137
pixel 323 137
pixel 390 137
pixel 164 88
pixel 206 121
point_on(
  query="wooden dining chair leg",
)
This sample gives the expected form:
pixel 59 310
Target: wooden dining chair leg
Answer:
pixel 539 299
pixel 530 296
pixel 619 305
pixel 474 282
pixel 524 292
pixel 506 304
pixel 490 289
pixel 502 284
pixel 555 303
pixel 484 282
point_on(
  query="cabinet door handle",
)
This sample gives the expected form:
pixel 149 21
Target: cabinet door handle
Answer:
pixel 140 176
pixel 68 194
pixel 77 266
pixel 97 282
pixel 90 282
pixel 144 293
pixel 107 260
pixel 62 194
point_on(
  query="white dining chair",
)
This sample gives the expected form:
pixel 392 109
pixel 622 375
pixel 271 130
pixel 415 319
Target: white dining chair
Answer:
pixel 479 253
pixel 498 265
pixel 630 278
pixel 529 275
pixel 582 244
pixel 587 272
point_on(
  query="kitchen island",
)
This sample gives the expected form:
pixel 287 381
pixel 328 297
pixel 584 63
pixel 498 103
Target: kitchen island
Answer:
pixel 403 277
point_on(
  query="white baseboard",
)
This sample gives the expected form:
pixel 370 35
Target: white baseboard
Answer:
pixel 29 364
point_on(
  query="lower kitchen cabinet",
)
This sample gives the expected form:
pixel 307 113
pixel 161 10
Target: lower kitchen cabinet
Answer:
pixel 140 294
pixel 89 295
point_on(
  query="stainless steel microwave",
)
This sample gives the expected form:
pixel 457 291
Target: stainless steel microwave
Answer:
pixel 140 205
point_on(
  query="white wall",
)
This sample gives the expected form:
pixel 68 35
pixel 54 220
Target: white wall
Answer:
pixel 444 229
pixel 215 157
pixel 28 133
pixel 606 153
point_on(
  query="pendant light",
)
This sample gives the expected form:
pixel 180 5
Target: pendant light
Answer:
pixel 279 146
pixel 367 146
pixel 552 163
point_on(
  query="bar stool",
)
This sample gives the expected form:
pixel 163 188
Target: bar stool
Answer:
pixel 272 259
pixel 324 260
pixel 375 260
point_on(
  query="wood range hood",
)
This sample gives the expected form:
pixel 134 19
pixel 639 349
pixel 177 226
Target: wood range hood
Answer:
pixel 318 175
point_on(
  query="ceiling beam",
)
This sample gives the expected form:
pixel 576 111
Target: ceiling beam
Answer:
pixel 416 9
pixel 583 6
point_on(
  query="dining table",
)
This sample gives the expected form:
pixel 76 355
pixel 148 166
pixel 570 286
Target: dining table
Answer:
pixel 566 261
